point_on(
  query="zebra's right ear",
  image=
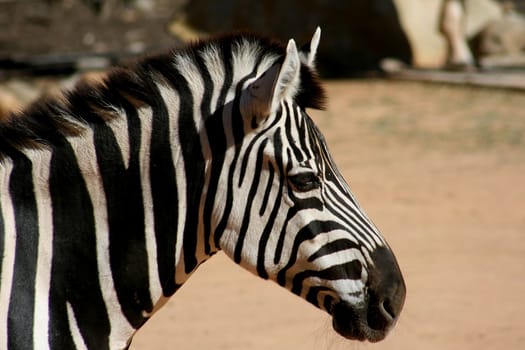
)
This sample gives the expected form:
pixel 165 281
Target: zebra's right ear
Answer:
pixel 279 82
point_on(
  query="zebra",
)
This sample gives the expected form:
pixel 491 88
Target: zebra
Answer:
pixel 113 194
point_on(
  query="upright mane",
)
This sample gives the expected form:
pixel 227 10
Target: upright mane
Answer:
pixel 46 122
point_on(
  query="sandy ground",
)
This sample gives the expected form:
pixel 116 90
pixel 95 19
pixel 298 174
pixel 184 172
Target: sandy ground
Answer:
pixel 441 170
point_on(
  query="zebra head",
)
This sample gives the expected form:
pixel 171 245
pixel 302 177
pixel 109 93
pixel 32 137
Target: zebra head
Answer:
pixel 297 221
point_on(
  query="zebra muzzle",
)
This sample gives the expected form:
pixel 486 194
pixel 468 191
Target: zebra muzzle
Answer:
pixel 373 319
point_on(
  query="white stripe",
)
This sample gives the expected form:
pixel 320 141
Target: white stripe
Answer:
pixel 75 331
pixel 296 136
pixel 155 287
pixel 215 67
pixel 194 78
pixel 173 101
pixel 363 233
pixel 367 256
pixel 84 149
pixel 351 291
pixel 9 248
pixel 245 56
pixel 119 126
pixel 368 232
pixel 41 165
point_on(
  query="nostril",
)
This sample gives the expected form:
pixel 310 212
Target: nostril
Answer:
pixel 386 309
pixel 381 314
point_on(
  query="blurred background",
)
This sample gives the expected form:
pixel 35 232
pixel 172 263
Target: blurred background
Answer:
pixel 63 31
pixel 426 120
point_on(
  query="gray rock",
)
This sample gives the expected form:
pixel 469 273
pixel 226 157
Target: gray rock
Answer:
pixel 505 36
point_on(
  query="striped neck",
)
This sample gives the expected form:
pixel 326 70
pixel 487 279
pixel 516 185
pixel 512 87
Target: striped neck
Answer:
pixel 129 175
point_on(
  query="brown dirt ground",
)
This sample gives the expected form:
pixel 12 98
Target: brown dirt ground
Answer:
pixel 440 170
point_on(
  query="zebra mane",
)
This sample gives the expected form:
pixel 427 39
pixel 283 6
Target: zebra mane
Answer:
pixel 46 122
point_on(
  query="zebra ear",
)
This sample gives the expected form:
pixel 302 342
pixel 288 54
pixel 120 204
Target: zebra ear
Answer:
pixel 279 82
pixel 309 50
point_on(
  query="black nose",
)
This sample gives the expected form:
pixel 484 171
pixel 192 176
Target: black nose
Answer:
pixel 386 290
pixel 385 298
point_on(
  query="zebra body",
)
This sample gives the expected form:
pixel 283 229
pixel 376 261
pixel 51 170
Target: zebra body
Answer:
pixel 113 195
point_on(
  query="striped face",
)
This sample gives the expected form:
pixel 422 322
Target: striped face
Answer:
pixel 295 221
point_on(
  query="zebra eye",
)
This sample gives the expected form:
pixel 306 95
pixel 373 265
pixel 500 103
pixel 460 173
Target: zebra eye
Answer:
pixel 304 182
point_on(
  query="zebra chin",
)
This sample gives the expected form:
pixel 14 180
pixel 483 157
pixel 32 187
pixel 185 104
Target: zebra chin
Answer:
pixel 363 323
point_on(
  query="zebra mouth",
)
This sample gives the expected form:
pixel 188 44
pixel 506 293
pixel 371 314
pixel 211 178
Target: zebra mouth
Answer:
pixel 370 323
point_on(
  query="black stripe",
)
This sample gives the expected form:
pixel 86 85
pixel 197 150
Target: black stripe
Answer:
pixel 269 228
pixel 206 114
pixel 218 144
pixel 278 149
pixel 127 245
pixel 253 143
pixel 193 159
pixel 249 201
pixel 300 204
pixel 74 274
pixel 353 218
pixel 194 169
pixel 347 270
pixel 247 157
pixel 21 305
pixel 356 223
pixel 309 231
pixel 237 125
pixel 217 140
pixel 162 173
pixel 301 121
pixel 333 247
pixel 163 181
pixel 268 189
pixel 313 294
pixel 288 130
pixel 208 88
